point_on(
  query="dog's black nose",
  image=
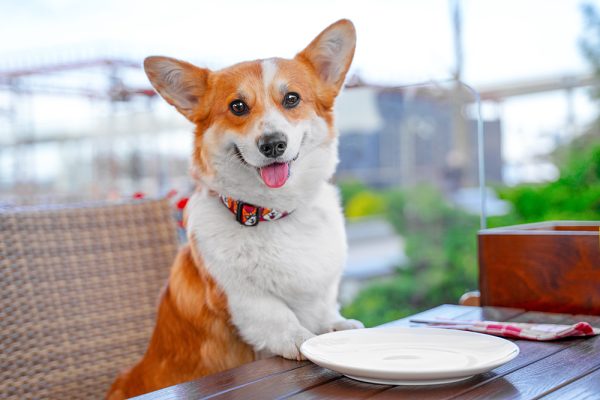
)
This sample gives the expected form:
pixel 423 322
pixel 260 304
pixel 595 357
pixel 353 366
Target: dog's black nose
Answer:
pixel 272 145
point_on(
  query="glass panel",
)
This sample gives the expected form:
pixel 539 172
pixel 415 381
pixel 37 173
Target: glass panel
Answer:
pixel 409 180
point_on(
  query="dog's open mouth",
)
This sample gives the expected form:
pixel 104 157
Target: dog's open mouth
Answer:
pixel 274 175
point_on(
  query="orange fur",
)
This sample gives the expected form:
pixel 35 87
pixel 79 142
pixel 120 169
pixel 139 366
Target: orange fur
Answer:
pixel 193 336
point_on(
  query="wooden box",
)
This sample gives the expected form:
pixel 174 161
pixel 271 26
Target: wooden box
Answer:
pixel 548 266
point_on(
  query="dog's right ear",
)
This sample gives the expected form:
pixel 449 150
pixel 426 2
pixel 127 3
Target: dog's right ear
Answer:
pixel 180 83
pixel 331 53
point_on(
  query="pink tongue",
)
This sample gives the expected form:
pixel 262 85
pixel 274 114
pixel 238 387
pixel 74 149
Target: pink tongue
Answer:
pixel 275 175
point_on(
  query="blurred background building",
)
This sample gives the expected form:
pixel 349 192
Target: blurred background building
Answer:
pixel 405 138
pixel 112 135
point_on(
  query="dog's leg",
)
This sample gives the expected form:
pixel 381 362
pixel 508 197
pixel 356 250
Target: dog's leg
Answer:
pixel 330 319
pixel 336 322
pixel 267 323
pixel 323 315
pixel 344 324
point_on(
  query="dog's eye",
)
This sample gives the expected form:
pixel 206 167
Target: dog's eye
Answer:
pixel 291 100
pixel 238 107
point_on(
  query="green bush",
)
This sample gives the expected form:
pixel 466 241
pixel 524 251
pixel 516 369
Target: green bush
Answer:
pixel 440 240
pixel 440 244
pixel 364 204
pixel 575 195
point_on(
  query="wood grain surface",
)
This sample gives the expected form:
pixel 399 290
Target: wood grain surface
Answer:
pixel 553 267
pixel 568 369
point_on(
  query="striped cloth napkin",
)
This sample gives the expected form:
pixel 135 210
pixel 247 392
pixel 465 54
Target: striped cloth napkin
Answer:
pixel 541 332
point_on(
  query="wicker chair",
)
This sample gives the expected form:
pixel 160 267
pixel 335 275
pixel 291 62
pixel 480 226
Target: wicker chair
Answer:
pixel 78 292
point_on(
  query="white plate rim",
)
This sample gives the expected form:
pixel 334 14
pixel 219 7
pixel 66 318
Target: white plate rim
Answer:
pixel 429 375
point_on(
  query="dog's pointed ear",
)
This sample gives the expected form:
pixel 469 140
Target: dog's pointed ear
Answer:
pixel 330 53
pixel 180 83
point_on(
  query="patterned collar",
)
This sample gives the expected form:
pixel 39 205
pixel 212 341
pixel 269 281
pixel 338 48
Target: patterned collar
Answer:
pixel 249 215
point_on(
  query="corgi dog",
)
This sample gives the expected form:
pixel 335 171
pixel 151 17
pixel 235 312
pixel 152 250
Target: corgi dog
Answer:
pixel 267 245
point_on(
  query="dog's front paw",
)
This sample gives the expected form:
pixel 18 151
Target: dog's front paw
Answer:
pixel 289 346
pixel 346 324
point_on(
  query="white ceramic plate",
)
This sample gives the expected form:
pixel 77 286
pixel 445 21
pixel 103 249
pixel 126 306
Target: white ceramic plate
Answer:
pixel 408 356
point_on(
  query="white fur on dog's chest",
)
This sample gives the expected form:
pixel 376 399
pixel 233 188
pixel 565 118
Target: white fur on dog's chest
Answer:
pixel 296 258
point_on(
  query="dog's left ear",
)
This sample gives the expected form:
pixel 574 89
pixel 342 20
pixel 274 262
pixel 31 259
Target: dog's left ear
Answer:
pixel 330 53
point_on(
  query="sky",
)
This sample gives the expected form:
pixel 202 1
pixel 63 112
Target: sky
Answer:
pixel 399 42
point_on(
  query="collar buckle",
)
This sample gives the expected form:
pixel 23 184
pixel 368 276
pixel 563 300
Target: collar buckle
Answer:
pixel 247 214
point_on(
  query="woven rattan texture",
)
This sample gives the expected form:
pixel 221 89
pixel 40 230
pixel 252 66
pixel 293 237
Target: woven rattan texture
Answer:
pixel 78 295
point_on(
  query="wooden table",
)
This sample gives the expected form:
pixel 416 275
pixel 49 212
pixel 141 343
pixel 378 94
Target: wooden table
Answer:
pixel 566 369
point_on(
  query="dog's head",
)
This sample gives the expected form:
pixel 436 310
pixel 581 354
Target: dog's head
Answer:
pixel 264 129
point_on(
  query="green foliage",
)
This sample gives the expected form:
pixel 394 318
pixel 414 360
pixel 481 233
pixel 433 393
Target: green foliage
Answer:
pixel 575 195
pixel 440 244
pixel 386 300
pixel 440 240
pixel 350 188
pixel 364 204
